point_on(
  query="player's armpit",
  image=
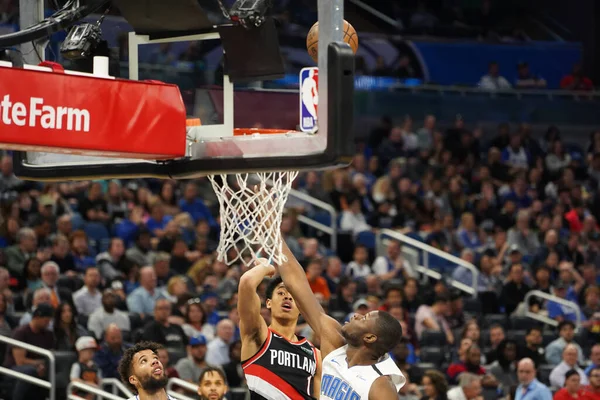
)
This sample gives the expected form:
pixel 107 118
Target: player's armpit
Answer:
pixel 253 328
pixel 383 389
pixel 317 379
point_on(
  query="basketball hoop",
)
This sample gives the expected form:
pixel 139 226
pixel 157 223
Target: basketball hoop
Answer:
pixel 251 208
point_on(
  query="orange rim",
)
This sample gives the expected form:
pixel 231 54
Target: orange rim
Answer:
pixel 260 131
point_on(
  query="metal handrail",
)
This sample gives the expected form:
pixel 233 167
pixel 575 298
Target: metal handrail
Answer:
pixel 103 394
pixel 330 230
pixel 116 384
pixel 556 299
pixel 376 13
pixel 427 249
pixel 192 388
pixel 50 383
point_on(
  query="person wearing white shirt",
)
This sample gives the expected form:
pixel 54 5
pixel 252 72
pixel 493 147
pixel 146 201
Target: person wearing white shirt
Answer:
pixel 393 264
pixel 88 298
pixel 469 387
pixel 107 315
pixel 353 219
pixel 359 267
pixel 217 351
pixel 569 362
pixel 493 80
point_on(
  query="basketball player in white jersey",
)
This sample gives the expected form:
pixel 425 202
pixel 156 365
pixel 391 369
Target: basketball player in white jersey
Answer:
pixel 143 373
pixel 356 364
pixel 278 364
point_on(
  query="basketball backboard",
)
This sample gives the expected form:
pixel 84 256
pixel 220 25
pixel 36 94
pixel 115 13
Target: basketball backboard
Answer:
pixel 216 148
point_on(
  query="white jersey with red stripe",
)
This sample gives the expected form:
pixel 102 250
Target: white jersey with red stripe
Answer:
pixel 338 382
pixel 282 370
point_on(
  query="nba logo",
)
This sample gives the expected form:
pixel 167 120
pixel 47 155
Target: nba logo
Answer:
pixel 309 98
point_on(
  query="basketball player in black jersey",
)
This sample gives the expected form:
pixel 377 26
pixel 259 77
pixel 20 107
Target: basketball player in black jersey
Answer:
pixel 143 373
pixel 277 363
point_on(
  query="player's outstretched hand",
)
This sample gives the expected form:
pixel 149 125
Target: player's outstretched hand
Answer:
pixel 264 263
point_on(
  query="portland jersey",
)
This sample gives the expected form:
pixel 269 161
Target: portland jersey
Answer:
pixel 338 382
pixel 282 370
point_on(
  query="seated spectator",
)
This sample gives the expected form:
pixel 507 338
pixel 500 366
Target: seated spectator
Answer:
pixel 522 237
pixel 471 364
pixel 359 266
pixel 143 299
pixel 81 252
pixel 318 284
pixel 233 370
pixel 592 391
pixel 196 320
pixel 165 360
pixel 61 250
pixel 93 207
pixel 32 276
pixel 572 389
pixel 50 275
pixel 393 265
pixel 568 363
pixel 527 80
pixel 35 333
pixel 66 328
pixel 40 296
pixel 85 369
pixel 434 318
pixel 515 289
pixel 110 263
pixel 529 387
pixel 435 386
pixel 217 353
pixel 404 357
pixel 504 369
pixel 554 350
pixel 345 296
pixel 161 331
pixel 497 335
pixel 469 388
pixel 594 359
pixel 191 367
pixel 110 352
pixel 353 220
pixel 141 253
pixel 411 300
pixel 88 298
pixel 18 254
pixel 533 346
pixel 493 80
pixel 576 80
pixel 468 234
pixel 107 315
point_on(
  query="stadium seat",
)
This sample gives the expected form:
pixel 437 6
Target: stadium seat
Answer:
pixel 518 335
pixel 77 221
pixel 176 355
pixel 472 305
pixel 432 354
pixel 96 232
pixel 521 323
pixel 491 319
pixel 489 393
pixel 135 321
pixel 424 366
pixel 548 337
pixel 64 361
pixel 544 373
pixel 366 239
pixel 433 338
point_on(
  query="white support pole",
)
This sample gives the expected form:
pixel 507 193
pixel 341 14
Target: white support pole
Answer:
pixel 31 12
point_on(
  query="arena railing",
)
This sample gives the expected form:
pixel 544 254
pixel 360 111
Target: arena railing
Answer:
pixel 84 387
pixel 550 297
pixel 117 387
pixel 330 229
pixel 426 250
pixel 50 384
pixel 177 382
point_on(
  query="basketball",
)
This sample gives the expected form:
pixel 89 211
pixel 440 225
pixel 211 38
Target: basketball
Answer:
pixel 312 39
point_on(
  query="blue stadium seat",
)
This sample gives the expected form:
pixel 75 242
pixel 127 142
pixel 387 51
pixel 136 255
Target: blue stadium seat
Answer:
pixel 96 231
pixel 367 239
pixel 77 221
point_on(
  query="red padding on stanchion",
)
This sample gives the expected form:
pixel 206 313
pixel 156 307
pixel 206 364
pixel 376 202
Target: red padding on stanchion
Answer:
pixel 56 67
pixel 90 116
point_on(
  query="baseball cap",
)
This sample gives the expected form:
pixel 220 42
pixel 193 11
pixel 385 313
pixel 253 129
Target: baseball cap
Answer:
pixel 360 303
pixel 116 285
pixel 561 285
pixel 46 200
pixel 514 248
pixel 208 295
pixel 43 311
pixel 198 340
pixel 86 342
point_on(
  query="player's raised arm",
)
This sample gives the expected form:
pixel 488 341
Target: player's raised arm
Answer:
pixel 253 328
pixel 326 328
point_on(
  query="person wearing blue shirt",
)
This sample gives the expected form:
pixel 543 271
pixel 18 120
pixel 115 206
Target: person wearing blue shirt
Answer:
pixel 559 311
pixel 529 387
pixel 194 206
pixel 595 359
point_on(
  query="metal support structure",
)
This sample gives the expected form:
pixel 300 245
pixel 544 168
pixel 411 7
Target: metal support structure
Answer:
pixel 100 394
pixel 31 12
pixel 549 297
pixel 50 384
pixel 117 387
pixel 206 131
pixel 427 249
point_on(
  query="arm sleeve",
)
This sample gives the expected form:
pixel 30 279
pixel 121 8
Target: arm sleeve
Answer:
pixel 134 304
pixel 75 371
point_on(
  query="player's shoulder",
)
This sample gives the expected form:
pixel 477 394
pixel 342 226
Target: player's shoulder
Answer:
pixel 383 388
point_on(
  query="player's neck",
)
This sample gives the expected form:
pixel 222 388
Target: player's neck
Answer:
pixel 286 330
pixel 359 356
pixel 160 395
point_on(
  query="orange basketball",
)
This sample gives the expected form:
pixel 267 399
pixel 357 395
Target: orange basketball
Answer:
pixel 312 39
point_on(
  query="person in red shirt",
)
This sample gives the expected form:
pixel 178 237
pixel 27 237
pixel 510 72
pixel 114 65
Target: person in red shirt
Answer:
pixel 575 216
pixel 472 364
pixel 592 391
pixel 318 284
pixel 576 80
pixel 572 389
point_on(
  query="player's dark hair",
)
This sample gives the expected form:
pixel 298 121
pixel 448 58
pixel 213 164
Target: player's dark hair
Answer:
pixel 388 331
pixel 125 365
pixel 208 370
pixel 272 285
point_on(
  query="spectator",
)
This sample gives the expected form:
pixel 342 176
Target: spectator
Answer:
pixel 66 328
pixel 141 253
pixel 527 80
pixel 212 384
pixel 233 370
pixel 35 333
pixel 359 266
pixel 110 263
pixel 533 346
pixel 161 331
pixel 521 237
pixel 594 360
pixel 110 352
pixel 143 299
pixel 61 254
pixel 572 389
pixel 393 265
pixel 529 386
pixel 471 364
pixel 434 318
pixel 592 392
pixel 558 311
pixel 85 369
pixel 469 388
pixel 504 369
pixel 554 350
pixel 515 289
pixel 435 386
pixel 569 362
pixel 218 349
pixel 576 80
pixel 191 204
pixel 88 298
pixel 40 296
pixel 106 315
pixel 17 254
pixel 493 80
pixel 191 367
pixel 196 320
pixel 318 284
pixel 496 337
pixel 93 207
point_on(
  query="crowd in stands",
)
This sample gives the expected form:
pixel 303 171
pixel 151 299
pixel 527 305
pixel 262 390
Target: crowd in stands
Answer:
pixel 89 267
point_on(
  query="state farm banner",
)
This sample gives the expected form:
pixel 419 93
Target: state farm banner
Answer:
pixel 47 111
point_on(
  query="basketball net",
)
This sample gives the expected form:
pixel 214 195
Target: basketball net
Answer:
pixel 251 209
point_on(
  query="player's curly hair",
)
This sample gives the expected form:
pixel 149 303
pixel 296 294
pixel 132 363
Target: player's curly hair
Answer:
pixel 125 365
